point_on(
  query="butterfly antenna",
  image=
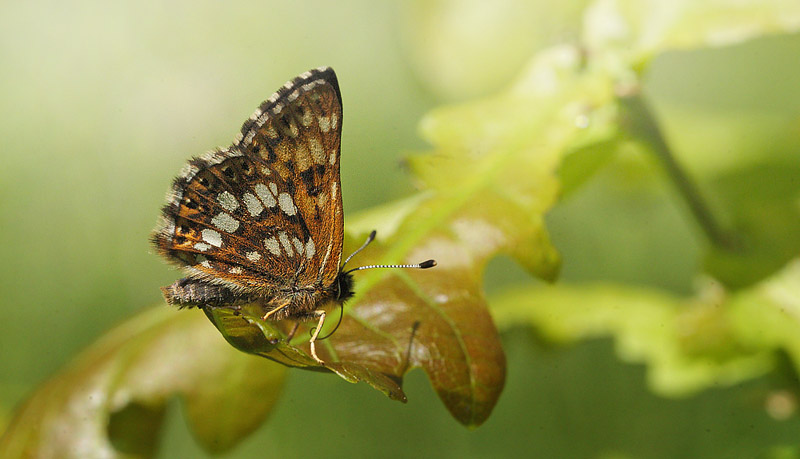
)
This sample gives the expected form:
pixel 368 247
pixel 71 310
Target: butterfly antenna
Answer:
pixel 370 238
pixel 424 265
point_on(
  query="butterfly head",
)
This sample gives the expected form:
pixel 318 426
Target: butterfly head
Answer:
pixel 344 286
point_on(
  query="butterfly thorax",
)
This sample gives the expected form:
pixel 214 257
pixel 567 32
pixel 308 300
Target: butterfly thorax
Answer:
pixel 301 302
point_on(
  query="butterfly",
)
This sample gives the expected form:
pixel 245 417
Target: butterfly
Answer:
pixel 262 221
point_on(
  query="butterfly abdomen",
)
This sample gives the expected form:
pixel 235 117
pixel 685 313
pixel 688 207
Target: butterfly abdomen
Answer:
pixel 189 293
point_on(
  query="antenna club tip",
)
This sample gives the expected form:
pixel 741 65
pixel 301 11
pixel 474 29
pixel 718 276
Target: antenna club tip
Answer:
pixel 427 264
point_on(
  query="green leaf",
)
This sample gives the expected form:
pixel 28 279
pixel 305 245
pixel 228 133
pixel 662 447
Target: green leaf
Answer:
pixel 767 316
pixel 686 343
pixel 761 203
pixel 111 399
pixel 635 30
pixel 689 344
pixel 495 165
pixel 759 233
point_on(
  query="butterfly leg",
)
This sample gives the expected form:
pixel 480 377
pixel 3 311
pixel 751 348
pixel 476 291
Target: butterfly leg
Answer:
pixel 292 332
pixel 314 337
pixel 266 316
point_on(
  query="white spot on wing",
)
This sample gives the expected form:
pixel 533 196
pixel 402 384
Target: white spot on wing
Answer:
pixel 332 159
pixel 235 270
pixel 317 152
pixel 264 194
pixel 228 201
pixel 286 204
pixel 273 188
pixel 212 237
pixel 225 222
pixel 298 246
pixel 310 249
pixel 324 124
pixel 334 121
pixel 272 245
pixel 287 246
pixel 201 246
pixel 255 256
pixel 307 118
pixel 302 158
pixel 253 204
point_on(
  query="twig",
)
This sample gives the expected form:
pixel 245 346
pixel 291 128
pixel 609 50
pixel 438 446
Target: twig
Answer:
pixel 642 126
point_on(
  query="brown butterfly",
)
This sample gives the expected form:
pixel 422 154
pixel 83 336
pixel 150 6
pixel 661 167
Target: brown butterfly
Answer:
pixel 261 221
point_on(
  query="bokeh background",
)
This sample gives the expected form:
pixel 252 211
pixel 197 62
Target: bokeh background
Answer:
pixel 102 102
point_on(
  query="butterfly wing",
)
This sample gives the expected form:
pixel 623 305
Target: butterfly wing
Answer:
pixel 265 213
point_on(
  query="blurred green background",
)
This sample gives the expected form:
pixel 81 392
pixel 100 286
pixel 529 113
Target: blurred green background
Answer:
pixel 103 102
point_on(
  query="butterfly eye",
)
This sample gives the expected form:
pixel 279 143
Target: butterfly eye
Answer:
pixel 203 182
pixel 228 172
pixel 182 229
pixel 190 203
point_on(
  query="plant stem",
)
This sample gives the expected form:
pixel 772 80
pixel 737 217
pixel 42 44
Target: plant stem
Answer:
pixel 642 126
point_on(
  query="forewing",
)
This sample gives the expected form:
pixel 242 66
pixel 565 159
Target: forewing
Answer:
pixel 297 131
pixel 265 213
